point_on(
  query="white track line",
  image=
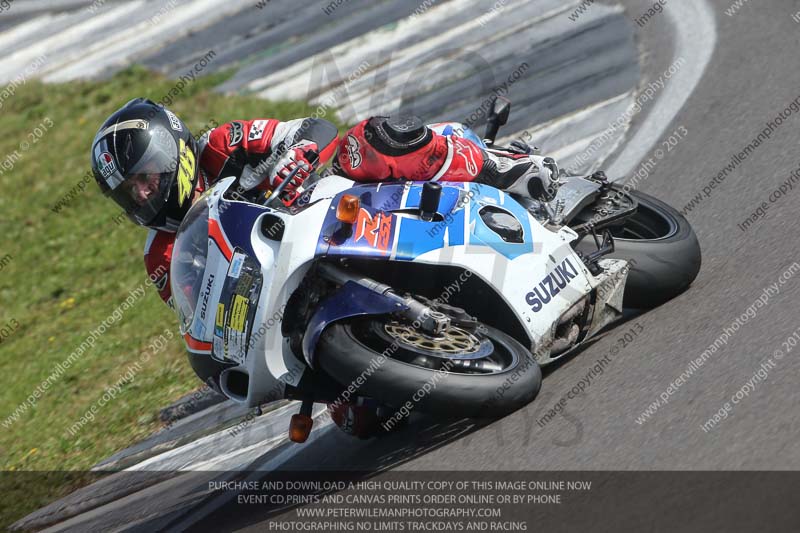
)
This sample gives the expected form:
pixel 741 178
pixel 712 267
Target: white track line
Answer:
pixel 695 40
pixel 206 509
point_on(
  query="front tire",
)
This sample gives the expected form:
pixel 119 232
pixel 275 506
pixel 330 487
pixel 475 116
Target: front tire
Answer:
pixel 351 353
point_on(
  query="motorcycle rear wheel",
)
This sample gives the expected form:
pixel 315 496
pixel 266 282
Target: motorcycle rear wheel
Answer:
pixel 393 363
pixel 663 249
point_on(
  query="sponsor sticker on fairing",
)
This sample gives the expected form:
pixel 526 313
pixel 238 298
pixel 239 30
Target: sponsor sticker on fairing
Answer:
pixel 200 331
pixel 236 265
pixel 219 349
pixel 551 285
pixel 236 308
pixel 257 130
pixel 239 310
pixel 174 121
pixel 219 323
pixel 206 295
pixel 107 164
pixel 376 230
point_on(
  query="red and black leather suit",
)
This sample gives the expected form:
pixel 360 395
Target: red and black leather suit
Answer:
pixel 403 147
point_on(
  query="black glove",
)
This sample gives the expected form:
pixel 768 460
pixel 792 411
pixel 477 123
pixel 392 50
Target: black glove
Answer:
pixel 519 147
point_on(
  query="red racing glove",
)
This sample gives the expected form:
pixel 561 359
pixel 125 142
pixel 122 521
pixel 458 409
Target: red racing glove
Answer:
pixel 303 154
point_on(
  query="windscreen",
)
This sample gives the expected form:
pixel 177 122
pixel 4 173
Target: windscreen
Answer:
pixel 189 255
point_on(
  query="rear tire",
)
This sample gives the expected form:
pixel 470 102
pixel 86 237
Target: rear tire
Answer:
pixel 663 249
pixel 345 352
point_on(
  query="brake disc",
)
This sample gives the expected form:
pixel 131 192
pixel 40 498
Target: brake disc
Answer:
pixel 453 343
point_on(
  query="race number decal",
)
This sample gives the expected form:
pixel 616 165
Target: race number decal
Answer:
pixel 186 168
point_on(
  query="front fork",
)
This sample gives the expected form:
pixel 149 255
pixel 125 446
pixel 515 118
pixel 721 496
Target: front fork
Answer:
pixel 356 296
pixel 429 320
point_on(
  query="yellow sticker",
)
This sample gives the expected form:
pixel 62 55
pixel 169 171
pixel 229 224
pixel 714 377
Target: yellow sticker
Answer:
pixel 186 167
pixel 220 315
pixel 239 312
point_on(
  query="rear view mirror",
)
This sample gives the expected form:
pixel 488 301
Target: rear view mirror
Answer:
pixel 501 109
pixel 498 116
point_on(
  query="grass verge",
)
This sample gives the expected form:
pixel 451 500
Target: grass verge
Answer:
pixel 62 272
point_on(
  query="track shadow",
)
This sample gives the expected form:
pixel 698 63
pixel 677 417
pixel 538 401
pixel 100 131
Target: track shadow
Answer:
pixel 332 455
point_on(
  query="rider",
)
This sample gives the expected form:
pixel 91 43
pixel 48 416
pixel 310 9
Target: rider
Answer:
pixel 147 161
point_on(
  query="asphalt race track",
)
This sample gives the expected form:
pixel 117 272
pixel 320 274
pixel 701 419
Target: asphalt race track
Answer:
pixel 750 79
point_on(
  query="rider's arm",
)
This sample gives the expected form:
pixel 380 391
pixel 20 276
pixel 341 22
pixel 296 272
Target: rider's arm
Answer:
pixel 256 146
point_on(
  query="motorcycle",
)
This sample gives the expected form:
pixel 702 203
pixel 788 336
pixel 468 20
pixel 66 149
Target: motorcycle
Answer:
pixel 445 298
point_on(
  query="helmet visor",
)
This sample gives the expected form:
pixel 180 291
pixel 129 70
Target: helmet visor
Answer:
pixel 144 187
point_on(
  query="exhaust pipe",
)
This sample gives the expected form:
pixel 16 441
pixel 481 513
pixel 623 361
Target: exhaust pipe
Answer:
pixel 569 337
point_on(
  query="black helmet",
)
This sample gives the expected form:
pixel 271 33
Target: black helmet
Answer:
pixel 145 159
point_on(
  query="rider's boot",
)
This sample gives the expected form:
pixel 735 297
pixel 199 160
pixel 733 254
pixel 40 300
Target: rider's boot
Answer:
pixel 363 418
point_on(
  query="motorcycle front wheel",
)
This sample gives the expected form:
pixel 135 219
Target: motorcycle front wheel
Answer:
pixel 463 372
